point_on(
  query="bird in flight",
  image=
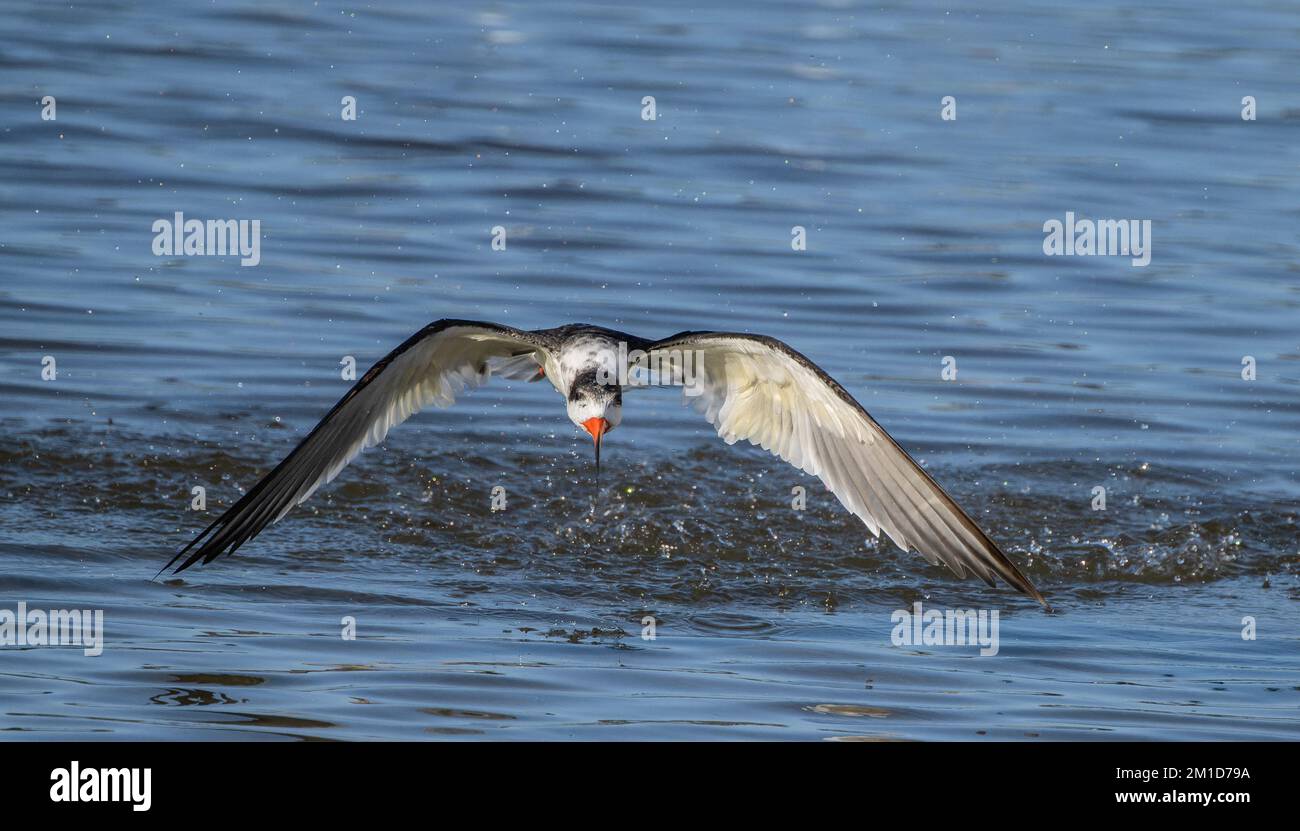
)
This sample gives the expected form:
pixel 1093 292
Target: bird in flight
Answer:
pixel 749 387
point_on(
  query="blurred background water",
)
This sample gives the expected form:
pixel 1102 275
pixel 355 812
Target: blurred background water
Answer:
pixel 924 240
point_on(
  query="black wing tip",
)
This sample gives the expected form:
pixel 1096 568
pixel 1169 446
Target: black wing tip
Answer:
pixel 205 552
pixel 178 555
pixel 999 565
pixel 1013 577
pixel 1032 591
pixel 1016 579
pixel 191 560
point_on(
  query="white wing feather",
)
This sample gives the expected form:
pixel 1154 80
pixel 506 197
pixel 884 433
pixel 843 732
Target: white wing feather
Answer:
pixel 760 390
pixel 432 367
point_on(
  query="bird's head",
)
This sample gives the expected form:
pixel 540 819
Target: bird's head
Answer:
pixel 596 408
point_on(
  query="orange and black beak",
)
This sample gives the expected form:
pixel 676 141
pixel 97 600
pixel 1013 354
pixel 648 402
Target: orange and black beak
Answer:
pixel 597 427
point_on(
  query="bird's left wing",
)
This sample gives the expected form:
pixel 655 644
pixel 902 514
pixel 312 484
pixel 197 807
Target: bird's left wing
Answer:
pixel 759 389
pixel 431 367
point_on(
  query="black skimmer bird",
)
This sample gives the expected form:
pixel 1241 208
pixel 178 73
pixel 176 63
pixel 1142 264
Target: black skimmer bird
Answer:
pixel 749 387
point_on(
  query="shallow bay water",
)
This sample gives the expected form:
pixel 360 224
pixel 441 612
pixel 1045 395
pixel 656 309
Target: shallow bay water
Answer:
pixel 924 241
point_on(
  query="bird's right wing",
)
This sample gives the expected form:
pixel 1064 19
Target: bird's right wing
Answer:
pixel 431 367
pixel 759 389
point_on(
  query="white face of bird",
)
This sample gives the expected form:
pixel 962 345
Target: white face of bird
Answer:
pixel 597 410
pixel 586 405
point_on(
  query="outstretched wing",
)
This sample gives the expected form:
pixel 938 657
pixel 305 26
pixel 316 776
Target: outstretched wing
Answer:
pixel 431 367
pixel 758 389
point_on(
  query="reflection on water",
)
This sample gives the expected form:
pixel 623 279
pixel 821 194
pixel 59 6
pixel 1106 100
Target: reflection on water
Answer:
pixel 924 241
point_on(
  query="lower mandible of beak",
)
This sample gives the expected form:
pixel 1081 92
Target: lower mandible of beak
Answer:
pixel 597 427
